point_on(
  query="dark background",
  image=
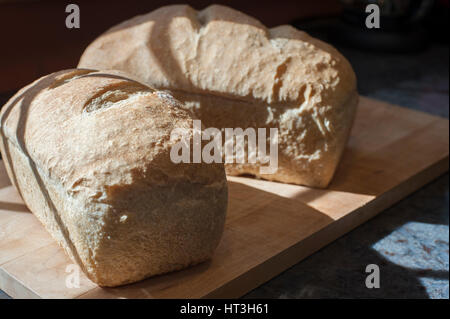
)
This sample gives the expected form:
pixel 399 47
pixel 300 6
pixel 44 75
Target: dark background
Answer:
pixel 35 41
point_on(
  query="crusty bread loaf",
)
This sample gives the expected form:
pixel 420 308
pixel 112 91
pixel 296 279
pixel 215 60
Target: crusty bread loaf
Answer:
pixel 90 154
pixel 231 71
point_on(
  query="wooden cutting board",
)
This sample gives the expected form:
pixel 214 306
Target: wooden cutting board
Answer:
pixel 270 226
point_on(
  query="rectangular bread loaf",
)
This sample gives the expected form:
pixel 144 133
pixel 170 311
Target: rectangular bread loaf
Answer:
pixel 89 153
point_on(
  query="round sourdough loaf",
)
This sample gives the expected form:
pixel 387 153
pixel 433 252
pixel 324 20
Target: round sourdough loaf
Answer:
pixel 232 72
pixel 90 154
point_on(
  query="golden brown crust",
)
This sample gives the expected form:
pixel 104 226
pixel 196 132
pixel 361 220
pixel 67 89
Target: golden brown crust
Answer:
pixel 90 153
pixel 233 72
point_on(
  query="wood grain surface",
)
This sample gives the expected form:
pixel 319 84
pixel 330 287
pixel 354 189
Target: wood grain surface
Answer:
pixel 270 226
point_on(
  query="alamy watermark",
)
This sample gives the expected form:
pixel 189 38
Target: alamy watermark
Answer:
pixel 373 279
pixel 373 19
pixel 235 146
pixel 73 17
pixel 73 277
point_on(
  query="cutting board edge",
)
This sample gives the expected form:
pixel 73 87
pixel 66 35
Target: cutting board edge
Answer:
pixel 15 288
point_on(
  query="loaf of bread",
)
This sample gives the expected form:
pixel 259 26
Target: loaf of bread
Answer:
pixel 89 152
pixel 232 72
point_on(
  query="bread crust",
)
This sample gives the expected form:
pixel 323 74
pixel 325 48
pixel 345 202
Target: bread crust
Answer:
pixel 231 71
pixel 90 154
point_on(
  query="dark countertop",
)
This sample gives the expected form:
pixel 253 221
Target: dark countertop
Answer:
pixel 409 242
